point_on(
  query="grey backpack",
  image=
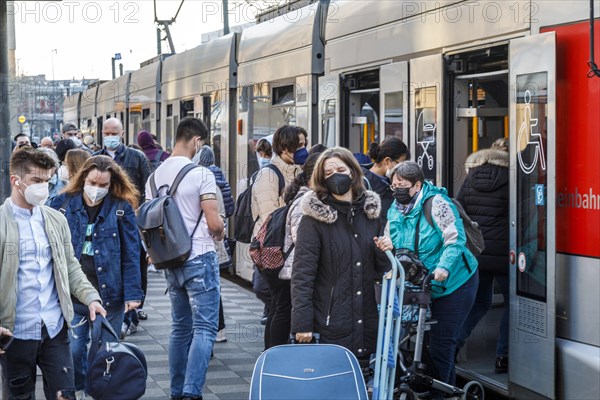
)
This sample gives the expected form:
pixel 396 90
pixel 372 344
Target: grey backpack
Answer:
pixel 162 228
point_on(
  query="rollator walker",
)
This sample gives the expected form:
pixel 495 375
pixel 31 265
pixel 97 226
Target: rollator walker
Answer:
pixel 401 338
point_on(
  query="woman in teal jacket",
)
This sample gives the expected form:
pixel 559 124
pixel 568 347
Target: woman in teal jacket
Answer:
pixel 442 248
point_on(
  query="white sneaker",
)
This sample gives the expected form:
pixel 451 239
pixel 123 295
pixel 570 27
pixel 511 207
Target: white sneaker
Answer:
pixel 152 268
pixel 221 336
pixel 124 330
pixel 133 328
pixel 80 395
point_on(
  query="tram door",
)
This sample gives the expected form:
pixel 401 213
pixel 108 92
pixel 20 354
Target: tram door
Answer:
pixel 532 114
pixel 329 110
pixel 426 109
pixel 394 101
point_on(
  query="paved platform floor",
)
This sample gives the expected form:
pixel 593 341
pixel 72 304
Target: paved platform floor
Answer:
pixel 230 370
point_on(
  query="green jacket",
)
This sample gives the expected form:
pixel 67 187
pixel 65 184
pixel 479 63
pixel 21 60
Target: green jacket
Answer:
pixel 68 276
pixel 440 246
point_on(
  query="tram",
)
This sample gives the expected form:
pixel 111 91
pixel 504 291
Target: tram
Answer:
pixel 448 77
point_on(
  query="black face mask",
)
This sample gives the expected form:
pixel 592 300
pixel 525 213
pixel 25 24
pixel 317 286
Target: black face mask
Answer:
pixel 402 195
pixel 338 184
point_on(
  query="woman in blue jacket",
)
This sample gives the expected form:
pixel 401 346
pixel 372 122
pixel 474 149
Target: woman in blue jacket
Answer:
pixel 442 248
pixel 98 204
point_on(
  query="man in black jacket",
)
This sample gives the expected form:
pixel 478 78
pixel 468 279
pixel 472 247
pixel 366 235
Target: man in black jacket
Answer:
pixel 136 165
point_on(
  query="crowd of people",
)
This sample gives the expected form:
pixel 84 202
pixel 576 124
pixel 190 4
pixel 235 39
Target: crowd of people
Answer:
pixel 89 257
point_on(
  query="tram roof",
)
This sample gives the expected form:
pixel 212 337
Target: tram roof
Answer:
pixel 206 59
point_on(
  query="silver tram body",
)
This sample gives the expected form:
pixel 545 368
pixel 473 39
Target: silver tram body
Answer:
pixel 433 74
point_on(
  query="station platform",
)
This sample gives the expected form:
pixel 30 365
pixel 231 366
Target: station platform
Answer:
pixel 230 370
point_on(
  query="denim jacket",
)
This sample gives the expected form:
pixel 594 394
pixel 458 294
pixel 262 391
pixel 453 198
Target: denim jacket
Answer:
pixel 116 246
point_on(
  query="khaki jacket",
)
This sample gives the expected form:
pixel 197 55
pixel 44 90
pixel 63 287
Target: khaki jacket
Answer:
pixel 265 192
pixel 68 276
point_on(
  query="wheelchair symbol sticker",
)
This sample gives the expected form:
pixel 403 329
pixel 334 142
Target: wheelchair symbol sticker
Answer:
pixel 522 262
pixel 528 131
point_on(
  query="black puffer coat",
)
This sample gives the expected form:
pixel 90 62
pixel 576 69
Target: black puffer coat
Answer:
pixel 485 197
pixel 381 186
pixel 335 265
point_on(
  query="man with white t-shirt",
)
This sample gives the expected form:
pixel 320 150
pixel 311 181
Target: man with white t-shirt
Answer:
pixel 194 287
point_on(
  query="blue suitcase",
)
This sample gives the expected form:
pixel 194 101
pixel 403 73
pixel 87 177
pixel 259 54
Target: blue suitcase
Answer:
pixel 307 371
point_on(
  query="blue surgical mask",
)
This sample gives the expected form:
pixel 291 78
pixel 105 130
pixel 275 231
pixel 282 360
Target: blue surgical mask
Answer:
pixel 300 156
pixel 263 161
pixel 112 142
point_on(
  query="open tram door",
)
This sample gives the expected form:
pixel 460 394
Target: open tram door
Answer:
pixel 532 112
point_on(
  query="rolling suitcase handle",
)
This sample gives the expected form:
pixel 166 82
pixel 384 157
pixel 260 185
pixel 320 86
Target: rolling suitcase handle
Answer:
pixel 316 337
pixel 388 333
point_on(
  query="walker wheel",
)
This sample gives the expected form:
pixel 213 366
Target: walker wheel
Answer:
pixel 473 391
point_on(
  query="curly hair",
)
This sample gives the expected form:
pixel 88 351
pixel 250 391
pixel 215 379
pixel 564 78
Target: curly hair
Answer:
pixel 121 186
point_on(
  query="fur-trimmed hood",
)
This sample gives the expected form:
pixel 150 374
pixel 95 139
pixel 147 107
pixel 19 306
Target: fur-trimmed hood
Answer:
pixel 313 207
pixel 487 156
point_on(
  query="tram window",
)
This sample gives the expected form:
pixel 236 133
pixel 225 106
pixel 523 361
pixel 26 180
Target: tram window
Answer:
pixel 328 122
pixel 283 95
pixel 426 129
pixel 532 179
pixel 145 113
pixel 186 108
pixel 169 110
pixel 394 116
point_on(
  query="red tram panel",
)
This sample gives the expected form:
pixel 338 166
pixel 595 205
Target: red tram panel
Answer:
pixel 577 142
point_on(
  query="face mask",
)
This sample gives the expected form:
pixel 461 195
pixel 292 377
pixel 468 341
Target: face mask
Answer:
pixel 63 173
pixel 95 193
pixel 300 156
pixel 402 195
pixel 36 194
pixel 263 161
pixel 76 140
pixel 389 173
pixel 112 142
pixel 338 184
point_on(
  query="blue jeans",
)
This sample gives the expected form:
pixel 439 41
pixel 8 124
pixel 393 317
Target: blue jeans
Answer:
pixel 80 337
pixel 450 313
pixel 51 355
pixel 194 291
pixel 483 302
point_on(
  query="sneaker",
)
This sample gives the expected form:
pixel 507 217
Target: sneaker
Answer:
pixel 152 269
pixel 124 331
pixel 501 365
pixel 221 336
pixel 142 315
pixel 133 328
pixel 80 395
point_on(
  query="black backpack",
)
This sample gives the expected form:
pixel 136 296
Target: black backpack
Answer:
pixel 475 241
pixel 162 228
pixel 266 249
pixel 115 370
pixel 155 162
pixel 244 223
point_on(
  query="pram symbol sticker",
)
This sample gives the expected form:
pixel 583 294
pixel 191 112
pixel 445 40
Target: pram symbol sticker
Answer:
pixel 528 133
pixel 425 138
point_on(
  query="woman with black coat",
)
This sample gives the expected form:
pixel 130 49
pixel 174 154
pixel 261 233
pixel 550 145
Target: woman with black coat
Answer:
pixel 385 157
pixel 485 198
pixel 336 260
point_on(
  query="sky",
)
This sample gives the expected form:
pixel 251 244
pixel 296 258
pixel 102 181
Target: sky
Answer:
pixel 79 38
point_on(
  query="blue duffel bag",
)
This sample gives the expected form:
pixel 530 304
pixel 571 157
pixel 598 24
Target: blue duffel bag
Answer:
pixel 115 370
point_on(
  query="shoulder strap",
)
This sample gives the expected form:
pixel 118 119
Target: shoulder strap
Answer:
pixel 153 189
pixel 180 177
pixel 367 183
pixel 120 210
pixel 279 176
pixel 158 155
pixel 65 204
pixel 427 206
